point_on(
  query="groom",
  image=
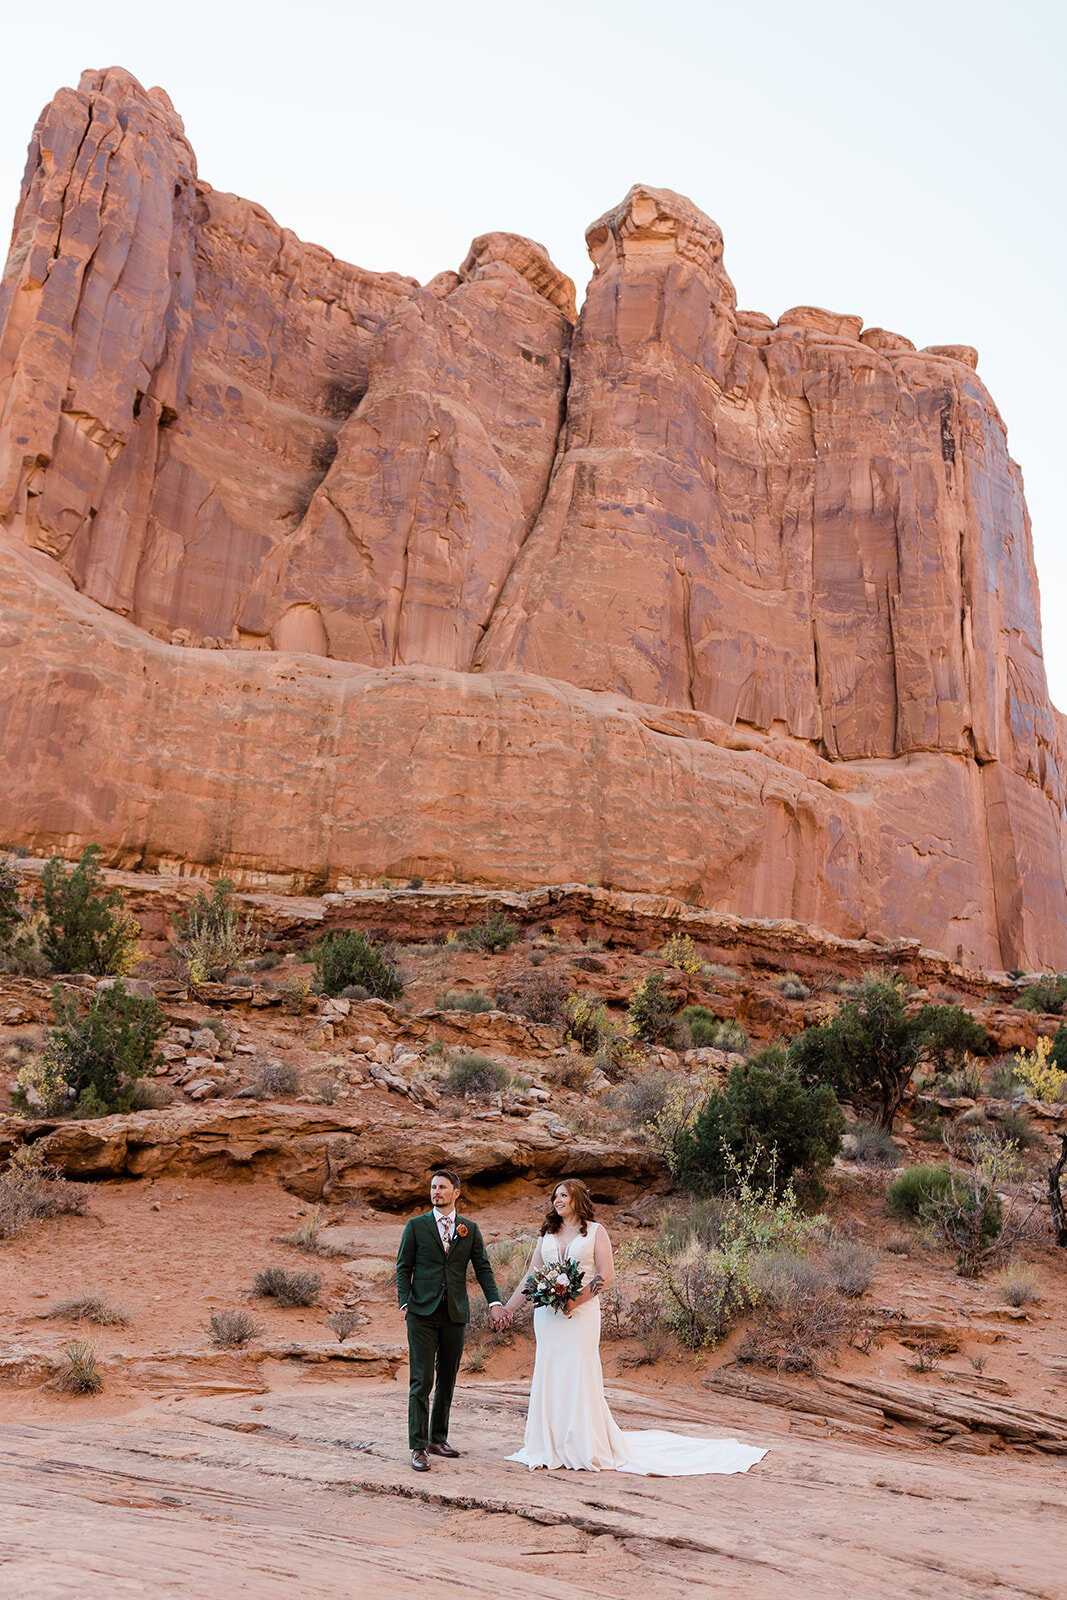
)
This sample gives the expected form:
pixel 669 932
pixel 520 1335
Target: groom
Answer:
pixel 431 1282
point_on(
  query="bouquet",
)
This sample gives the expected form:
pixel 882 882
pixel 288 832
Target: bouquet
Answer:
pixel 555 1286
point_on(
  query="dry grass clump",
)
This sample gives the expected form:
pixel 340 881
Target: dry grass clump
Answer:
pixel 850 1266
pixel 540 997
pixel 343 1323
pixel 31 1188
pixel 799 1328
pixel 89 1308
pixel 274 1078
pixel 571 1072
pixel 287 1288
pixel 81 1375
pixel 307 1237
pixel 1019 1285
pixel 464 1000
pixel 229 1330
pixel 873 1146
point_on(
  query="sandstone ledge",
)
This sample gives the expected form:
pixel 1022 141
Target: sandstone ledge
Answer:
pixel 322 1154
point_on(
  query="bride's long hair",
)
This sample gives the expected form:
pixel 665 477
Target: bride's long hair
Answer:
pixel 581 1200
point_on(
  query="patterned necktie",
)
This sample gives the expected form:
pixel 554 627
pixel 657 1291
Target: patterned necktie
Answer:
pixel 442 1223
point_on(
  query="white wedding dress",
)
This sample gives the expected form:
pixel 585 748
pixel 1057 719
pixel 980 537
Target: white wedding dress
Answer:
pixel 569 1424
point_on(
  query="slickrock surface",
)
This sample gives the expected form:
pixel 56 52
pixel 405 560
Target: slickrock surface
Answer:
pixel 668 596
pixel 310 1493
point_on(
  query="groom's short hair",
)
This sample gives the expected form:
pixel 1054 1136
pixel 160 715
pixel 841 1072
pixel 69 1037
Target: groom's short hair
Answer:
pixel 446 1172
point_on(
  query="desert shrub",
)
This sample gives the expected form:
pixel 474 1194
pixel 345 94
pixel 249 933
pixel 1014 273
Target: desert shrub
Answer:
pixel 1003 1084
pixel 85 928
pixel 791 987
pixel 668 1104
pixel 81 1375
pixel 464 1000
pixel 641 1098
pixel 766 1119
pixel 870 1050
pixel 572 1072
pixel 540 997
pixel 777 1274
pixel 31 1188
pixel 272 1078
pixel 10 907
pixel 295 992
pixel 1058 1054
pixel 590 1026
pixel 288 1288
pixel 850 1266
pixel 98 1055
pixel 495 932
pixel 909 1193
pixel 151 1096
pixel 89 1308
pixel 345 1322
pixel 873 1146
pixel 348 958
pixel 1015 1127
pixel 728 1035
pixel 210 936
pixel 1048 994
pixel 651 1011
pixel 308 1236
pixel 1019 1285
pixel 702 1290
pixel 980 1216
pixel 1039 1073
pixel 24 954
pixel 267 961
pixel 797 1331
pixel 681 952
pixel 229 1330
pixel 699 1023
pixel 474 1074
pixel 698 1223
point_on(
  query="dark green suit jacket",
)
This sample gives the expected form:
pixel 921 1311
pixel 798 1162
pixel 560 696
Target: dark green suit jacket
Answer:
pixel 425 1275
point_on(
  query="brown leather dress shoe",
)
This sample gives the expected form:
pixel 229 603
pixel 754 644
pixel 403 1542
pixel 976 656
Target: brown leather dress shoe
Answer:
pixel 443 1449
pixel 419 1461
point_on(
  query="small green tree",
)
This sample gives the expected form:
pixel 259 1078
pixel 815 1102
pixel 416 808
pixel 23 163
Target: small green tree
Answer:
pixel 210 936
pixel 101 1054
pixel 10 909
pixel 345 959
pixel 870 1050
pixel 948 1034
pixel 85 928
pixel 765 1121
pixel 1048 994
pixel 651 1011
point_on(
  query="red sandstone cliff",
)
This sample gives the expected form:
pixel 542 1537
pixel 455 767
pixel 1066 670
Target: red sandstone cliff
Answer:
pixel 676 598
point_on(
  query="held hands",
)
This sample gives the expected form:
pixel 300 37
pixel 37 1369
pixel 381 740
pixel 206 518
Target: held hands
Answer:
pixel 499 1317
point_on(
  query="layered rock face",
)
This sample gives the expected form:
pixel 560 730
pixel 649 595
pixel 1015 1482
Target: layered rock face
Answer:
pixel 670 595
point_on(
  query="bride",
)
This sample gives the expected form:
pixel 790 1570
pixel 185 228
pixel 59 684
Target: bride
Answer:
pixel 568 1423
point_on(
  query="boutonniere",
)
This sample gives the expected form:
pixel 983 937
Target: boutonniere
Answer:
pixel 461 1229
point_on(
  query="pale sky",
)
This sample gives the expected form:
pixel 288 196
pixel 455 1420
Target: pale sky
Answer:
pixel 904 162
